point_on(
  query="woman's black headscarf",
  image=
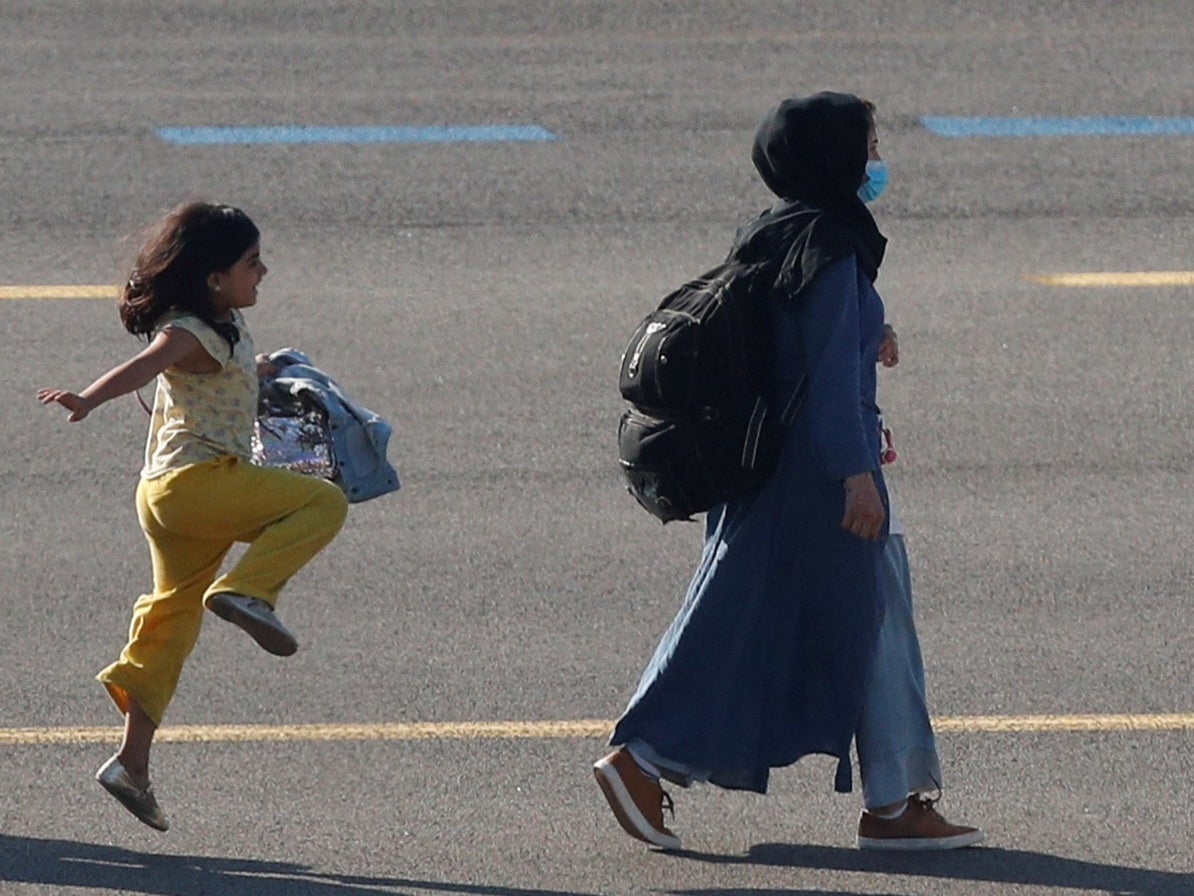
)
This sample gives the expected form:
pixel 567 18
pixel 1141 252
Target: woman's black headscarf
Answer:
pixel 812 152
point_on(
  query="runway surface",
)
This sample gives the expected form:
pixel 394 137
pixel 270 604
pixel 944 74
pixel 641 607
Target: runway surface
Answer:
pixel 465 642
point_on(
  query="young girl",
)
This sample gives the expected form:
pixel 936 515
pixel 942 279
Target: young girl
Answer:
pixel 198 492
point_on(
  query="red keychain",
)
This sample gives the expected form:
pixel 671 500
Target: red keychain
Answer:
pixel 888 455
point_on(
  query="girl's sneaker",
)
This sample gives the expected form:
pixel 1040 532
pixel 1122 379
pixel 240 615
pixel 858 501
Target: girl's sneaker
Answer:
pixel 257 618
pixel 140 801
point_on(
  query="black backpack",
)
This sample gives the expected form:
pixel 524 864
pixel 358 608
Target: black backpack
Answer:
pixel 697 372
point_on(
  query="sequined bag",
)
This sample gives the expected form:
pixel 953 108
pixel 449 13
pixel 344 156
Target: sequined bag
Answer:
pixel 295 436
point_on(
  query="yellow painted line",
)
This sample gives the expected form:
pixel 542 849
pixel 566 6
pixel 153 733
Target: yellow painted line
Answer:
pixel 593 728
pixel 379 731
pixel 1126 722
pixel 83 291
pixel 1111 278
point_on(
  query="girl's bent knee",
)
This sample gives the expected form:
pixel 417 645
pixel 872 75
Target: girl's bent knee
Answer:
pixel 333 504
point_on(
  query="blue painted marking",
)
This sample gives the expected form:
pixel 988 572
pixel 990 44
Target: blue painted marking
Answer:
pixel 371 134
pixel 1082 126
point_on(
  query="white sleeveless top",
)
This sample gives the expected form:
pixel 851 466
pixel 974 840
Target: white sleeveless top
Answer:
pixel 200 416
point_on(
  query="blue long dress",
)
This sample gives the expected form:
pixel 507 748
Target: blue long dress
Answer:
pixel 768 657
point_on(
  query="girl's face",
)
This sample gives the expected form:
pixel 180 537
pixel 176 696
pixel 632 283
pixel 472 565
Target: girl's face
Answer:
pixel 872 145
pixel 237 286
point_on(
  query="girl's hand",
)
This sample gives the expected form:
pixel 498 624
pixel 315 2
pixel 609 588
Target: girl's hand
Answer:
pixel 889 347
pixel 864 508
pixel 170 346
pixel 78 406
pixel 264 367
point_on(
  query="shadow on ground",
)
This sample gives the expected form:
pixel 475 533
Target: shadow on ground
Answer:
pixel 982 864
pixel 59 864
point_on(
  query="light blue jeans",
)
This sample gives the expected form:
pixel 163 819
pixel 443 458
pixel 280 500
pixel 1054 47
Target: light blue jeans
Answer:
pixel 897 754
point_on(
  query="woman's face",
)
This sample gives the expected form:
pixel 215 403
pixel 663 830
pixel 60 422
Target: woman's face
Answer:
pixel 875 178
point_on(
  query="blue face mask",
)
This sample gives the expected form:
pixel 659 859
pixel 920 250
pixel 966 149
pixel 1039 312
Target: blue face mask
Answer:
pixel 876 172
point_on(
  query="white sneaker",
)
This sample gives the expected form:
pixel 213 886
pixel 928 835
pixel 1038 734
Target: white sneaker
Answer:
pixel 141 802
pixel 257 618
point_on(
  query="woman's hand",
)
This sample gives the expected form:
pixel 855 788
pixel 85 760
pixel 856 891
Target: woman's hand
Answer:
pixel 864 508
pixel 78 406
pixel 889 347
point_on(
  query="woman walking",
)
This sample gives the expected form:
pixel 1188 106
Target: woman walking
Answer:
pixel 771 655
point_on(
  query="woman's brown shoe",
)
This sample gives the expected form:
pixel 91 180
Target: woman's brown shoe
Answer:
pixel 637 800
pixel 919 826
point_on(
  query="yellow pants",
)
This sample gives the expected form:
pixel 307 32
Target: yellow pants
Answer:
pixel 192 516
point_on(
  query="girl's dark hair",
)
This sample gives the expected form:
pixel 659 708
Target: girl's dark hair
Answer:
pixel 179 253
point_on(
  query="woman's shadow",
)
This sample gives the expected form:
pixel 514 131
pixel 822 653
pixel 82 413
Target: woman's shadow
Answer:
pixel 987 864
pixel 87 866
pixel 63 864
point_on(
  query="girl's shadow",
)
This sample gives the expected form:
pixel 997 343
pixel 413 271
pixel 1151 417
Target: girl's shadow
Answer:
pixel 64 864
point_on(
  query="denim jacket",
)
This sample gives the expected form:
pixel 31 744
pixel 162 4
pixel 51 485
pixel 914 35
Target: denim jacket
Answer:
pixel 359 437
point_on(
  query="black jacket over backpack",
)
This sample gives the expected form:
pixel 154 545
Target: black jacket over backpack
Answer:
pixel 702 427
pixel 697 372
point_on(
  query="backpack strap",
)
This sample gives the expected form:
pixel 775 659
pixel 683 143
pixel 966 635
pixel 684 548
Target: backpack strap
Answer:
pixel 795 402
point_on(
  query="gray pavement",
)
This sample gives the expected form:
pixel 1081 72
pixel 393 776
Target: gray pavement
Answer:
pixel 478 296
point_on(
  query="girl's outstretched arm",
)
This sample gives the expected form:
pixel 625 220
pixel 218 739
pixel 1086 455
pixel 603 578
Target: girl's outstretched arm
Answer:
pixel 171 346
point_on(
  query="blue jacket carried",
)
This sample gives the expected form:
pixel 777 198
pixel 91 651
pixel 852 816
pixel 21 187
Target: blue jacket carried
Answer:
pixel 358 437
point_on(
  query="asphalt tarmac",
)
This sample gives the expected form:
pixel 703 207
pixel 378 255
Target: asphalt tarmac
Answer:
pixel 478 296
